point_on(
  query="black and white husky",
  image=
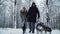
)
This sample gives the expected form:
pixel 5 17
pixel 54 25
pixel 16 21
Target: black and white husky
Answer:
pixel 43 28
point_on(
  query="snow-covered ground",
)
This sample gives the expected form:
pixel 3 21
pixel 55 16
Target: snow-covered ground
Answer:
pixel 19 31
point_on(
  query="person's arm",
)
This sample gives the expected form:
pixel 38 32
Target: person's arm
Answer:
pixel 38 13
pixel 28 13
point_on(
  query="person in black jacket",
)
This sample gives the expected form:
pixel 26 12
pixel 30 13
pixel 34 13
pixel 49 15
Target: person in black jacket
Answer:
pixel 31 16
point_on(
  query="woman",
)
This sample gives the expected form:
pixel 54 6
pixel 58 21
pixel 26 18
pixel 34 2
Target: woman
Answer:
pixel 23 13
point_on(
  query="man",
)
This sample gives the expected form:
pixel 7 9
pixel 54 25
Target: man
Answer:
pixel 31 16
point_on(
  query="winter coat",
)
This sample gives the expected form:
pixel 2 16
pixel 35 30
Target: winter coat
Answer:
pixel 23 17
pixel 32 14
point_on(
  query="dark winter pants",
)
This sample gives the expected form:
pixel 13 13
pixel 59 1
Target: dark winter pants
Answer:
pixel 31 26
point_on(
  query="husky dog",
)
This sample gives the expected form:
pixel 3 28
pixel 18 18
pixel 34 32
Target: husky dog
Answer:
pixel 44 28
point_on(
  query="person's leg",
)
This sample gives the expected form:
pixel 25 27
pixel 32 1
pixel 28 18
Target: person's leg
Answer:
pixel 30 26
pixel 33 27
pixel 24 27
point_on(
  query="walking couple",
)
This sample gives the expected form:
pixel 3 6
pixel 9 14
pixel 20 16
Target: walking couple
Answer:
pixel 30 17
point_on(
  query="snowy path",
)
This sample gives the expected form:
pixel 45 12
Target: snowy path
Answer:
pixel 19 31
